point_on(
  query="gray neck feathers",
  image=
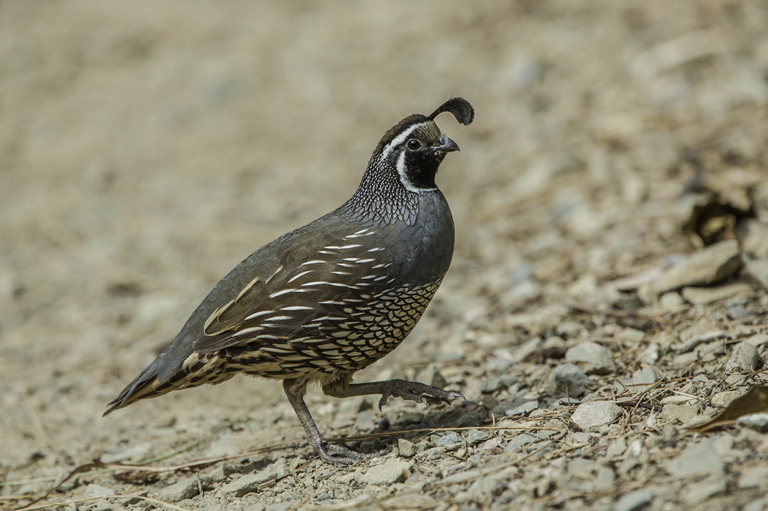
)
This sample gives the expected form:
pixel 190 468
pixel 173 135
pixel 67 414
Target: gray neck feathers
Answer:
pixel 381 198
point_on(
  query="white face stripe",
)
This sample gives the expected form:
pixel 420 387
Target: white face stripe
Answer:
pixel 404 177
pixel 400 139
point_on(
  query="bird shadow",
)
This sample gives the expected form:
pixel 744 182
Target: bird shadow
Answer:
pixel 416 424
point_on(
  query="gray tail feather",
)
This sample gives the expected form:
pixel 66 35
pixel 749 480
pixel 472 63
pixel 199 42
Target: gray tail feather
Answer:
pixel 144 385
pixel 157 379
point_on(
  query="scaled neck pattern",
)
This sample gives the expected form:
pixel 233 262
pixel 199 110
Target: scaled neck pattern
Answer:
pixel 381 199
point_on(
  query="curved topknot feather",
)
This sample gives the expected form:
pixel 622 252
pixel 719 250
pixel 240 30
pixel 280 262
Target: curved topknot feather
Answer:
pixel 460 108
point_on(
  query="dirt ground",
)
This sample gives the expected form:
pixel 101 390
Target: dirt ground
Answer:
pixel 148 147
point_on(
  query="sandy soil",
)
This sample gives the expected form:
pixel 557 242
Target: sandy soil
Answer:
pixel 146 148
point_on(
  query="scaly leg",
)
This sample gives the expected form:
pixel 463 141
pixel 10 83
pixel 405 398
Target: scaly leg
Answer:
pixel 330 453
pixel 411 390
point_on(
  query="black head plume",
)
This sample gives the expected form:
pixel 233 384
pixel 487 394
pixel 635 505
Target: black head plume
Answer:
pixel 459 107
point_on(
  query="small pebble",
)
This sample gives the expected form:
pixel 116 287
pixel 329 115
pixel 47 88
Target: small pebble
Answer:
pixel 391 471
pixel 634 501
pixel 723 399
pixel 523 409
pixel 756 421
pixel 744 358
pixel 697 459
pixel 449 439
pixel 476 436
pixel 406 447
pixel 595 413
pixel 592 357
pixel 567 380
pixel 183 489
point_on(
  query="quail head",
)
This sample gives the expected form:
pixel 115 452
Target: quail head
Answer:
pixel 330 298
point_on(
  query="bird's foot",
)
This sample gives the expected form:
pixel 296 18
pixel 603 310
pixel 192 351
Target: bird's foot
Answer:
pixel 336 454
pixel 415 391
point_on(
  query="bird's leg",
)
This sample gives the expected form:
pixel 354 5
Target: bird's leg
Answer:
pixel 411 390
pixel 330 453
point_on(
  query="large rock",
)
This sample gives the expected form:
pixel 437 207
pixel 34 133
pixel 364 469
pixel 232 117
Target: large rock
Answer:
pixel 708 266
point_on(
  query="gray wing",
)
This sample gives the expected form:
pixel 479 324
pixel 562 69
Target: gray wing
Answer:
pixel 310 290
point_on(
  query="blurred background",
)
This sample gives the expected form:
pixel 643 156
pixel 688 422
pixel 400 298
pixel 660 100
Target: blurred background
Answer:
pixel 147 147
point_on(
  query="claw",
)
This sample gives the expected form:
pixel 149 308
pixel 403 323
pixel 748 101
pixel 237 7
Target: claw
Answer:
pixel 341 455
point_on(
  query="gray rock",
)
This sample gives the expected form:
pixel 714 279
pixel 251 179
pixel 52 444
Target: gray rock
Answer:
pixel 595 413
pixel 250 483
pixel 757 340
pixel 592 357
pixel 183 489
pixel 645 376
pixel 481 490
pixel 278 506
pixel 651 354
pixel 524 408
pixel 753 235
pixel 744 358
pixel 406 447
pixel 517 442
pixel 604 481
pixel 494 383
pixel 391 471
pixel 567 380
pixel 520 353
pixel 756 421
pixel 631 335
pixel 758 270
pixel 698 459
pixel 449 439
pixel 671 301
pixel 616 448
pixel 411 501
pixel 635 501
pixel 705 267
pixel 722 399
pixel 757 505
pixel 753 477
pixel 520 294
pixel 698 492
pixel 476 436
pixel 705 295
pixel 581 468
pixel 491 443
pixel 684 413
pixel 217 473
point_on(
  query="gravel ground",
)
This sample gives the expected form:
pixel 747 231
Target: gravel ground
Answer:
pixel 608 289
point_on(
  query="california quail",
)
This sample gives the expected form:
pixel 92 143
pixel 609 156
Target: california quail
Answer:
pixel 332 297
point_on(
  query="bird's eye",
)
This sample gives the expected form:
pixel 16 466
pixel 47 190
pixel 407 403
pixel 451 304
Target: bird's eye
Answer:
pixel 414 144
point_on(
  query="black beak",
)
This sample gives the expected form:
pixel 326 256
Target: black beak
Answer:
pixel 446 145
